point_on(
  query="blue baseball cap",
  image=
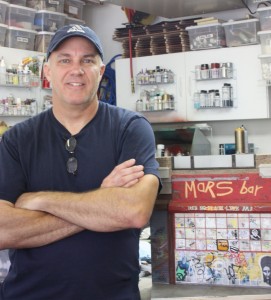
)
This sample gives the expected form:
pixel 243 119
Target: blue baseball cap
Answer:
pixel 74 30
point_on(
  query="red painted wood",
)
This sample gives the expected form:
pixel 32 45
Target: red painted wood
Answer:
pixel 221 193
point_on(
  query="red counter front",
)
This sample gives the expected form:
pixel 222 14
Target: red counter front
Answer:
pixel 221 227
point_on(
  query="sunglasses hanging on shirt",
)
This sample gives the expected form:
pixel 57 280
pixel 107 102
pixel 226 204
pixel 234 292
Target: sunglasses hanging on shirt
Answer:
pixel 72 161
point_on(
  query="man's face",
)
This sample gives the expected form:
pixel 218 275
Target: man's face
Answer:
pixel 266 272
pixel 74 70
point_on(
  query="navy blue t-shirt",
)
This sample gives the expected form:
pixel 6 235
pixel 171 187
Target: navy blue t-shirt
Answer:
pixel 88 265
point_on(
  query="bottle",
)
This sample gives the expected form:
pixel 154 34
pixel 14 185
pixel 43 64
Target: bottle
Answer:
pixel 20 74
pixel 245 139
pixel 214 70
pixel 197 100
pixel 229 67
pixel 165 76
pixel 241 140
pixel 203 98
pixel 223 70
pixel 197 72
pixel 226 95
pixel 205 74
pixel 2 71
pixel 158 76
pixel 26 76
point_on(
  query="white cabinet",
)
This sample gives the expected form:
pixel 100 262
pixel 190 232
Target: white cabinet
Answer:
pixel 127 99
pixel 250 93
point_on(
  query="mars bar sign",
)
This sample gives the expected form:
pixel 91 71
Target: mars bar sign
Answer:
pixel 221 192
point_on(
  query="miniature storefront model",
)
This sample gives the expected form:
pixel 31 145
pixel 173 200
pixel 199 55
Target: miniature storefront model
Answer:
pixel 221 226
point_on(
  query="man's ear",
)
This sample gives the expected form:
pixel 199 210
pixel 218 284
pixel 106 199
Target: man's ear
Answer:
pixel 102 69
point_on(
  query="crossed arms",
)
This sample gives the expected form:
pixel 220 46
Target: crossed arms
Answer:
pixel 124 200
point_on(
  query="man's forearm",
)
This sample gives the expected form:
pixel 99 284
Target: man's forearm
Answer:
pixel 105 209
pixel 20 228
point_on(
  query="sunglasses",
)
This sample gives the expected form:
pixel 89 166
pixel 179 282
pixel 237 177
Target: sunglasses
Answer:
pixel 72 161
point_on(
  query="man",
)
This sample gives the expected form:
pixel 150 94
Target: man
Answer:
pixel 77 183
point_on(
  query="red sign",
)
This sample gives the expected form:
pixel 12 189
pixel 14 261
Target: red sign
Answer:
pixel 221 192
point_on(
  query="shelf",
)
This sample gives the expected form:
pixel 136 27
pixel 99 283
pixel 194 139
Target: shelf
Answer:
pixel 155 83
pixel 158 110
pixel 215 79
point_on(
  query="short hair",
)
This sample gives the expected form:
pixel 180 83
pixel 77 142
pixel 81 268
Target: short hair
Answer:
pixel 266 261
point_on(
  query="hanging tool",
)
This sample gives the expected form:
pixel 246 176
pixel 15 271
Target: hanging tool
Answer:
pixel 130 14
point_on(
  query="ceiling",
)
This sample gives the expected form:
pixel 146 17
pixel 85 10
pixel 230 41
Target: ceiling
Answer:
pixel 179 8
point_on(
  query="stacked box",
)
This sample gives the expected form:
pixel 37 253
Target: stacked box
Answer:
pixel 3 30
pixel 3 11
pixel 240 33
pixel 20 38
pixel 74 8
pixel 265 17
pixel 18 2
pixel 206 36
pixel 19 16
pixel 48 20
pixel 54 6
pixel 42 41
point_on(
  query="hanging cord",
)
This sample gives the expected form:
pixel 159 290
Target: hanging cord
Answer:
pixel 265 3
pixel 130 14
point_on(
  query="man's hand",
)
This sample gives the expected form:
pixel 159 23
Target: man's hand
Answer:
pixel 125 174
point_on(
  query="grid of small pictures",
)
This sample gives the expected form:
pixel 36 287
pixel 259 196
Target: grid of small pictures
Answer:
pixel 247 232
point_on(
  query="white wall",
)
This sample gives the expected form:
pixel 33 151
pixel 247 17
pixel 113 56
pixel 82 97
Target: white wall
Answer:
pixel 104 19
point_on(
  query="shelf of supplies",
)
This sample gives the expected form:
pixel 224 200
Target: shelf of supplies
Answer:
pixel 155 83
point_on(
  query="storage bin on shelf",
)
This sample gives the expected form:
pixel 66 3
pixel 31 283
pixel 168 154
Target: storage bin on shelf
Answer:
pixel 20 38
pixel 265 17
pixel 74 8
pixel 55 5
pixel 206 36
pixel 3 11
pixel 19 16
pixel 265 38
pixel 240 33
pixel 70 20
pixel 266 67
pixel 3 30
pixel 42 40
pixel 18 2
pixel 48 20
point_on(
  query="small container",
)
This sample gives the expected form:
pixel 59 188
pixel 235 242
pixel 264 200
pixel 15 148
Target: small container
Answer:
pixel 265 17
pixel 265 38
pixel 50 5
pixel 206 36
pixel 205 74
pixel 227 95
pixel 20 38
pixel 3 11
pixel 3 30
pixel 215 70
pixel 203 98
pixel 266 67
pixel 19 16
pixel 42 41
pixel 74 8
pixel 49 21
pixel 197 72
pixel 240 33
